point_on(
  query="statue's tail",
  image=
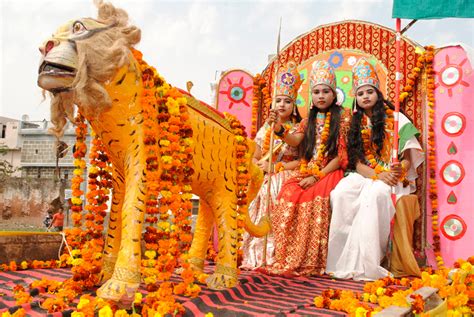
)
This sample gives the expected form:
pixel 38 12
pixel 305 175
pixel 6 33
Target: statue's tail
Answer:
pixel 256 180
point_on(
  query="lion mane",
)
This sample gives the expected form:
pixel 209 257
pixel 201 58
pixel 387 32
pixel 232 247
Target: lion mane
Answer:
pixel 98 58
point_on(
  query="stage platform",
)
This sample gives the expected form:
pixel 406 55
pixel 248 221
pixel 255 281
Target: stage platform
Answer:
pixel 256 295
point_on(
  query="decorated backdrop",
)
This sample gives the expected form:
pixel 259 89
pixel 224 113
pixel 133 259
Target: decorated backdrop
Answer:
pixel 342 42
pixel 234 95
pixel 454 119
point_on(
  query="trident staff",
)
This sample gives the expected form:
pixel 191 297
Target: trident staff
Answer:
pixel 270 150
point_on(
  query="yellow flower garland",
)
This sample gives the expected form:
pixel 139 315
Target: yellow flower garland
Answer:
pixel 456 287
pixel 430 84
pixel 369 151
pixel 243 176
pixel 316 169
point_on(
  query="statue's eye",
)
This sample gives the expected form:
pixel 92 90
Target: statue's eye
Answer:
pixel 78 28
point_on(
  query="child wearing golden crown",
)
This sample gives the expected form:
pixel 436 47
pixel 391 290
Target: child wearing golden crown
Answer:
pixel 362 208
pixel 285 159
pixel 300 219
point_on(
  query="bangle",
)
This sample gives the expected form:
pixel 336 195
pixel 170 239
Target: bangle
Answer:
pixel 320 174
pixel 376 175
pixel 279 167
pixel 281 132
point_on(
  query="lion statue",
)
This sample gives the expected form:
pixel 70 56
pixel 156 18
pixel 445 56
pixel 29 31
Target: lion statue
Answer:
pixel 89 63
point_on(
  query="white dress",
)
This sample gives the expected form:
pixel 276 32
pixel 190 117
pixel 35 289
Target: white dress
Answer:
pixel 362 210
pixel 253 247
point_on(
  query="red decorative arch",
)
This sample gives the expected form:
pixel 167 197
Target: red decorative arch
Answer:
pixel 371 38
pixel 378 41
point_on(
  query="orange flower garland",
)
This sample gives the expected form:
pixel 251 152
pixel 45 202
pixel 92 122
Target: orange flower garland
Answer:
pixel 75 236
pixel 425 60
pixel 316 169
pixel 169 146
pixel 80 164
pixel 99 184
pixel 369 151
pixel 412 77
pixel 35 264
pixel 429 56
pixel 243 176
pixel 255 104
pixel 266 141
pixel 456 287
pixel 150 125
pixel 261 100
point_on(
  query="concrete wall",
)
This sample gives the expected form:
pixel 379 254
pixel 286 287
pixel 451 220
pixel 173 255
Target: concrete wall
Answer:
pixel 25 201
pixel 9 134
pixel 29 246
pixel 10 139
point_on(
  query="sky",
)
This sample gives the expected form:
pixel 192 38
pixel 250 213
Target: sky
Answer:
pixel 189 40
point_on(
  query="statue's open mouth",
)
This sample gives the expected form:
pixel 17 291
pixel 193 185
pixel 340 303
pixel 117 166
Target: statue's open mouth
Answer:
pixel 52 69
pixel 55 77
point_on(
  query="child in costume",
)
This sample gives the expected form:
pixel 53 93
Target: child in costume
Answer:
pixel 362 206
pixel 300 219
pixel 285 159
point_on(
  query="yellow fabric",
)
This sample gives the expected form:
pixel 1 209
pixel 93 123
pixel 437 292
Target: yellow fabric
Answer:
pixel 403 261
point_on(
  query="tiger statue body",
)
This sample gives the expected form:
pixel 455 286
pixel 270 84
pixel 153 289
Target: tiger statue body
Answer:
pixel 88 63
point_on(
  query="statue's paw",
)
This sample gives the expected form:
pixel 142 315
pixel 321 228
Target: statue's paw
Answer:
pixel 196 264
pixel 224 277
pixel 118 291
pixel 179 270
pixel 104 276
pixel 219 281
pixel 107 269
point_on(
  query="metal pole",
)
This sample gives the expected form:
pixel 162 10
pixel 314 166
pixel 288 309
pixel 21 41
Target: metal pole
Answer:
pixel 270 150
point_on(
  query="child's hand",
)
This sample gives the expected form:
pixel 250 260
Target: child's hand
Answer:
pixel 396 169
pixel 307 182
pixel 388 178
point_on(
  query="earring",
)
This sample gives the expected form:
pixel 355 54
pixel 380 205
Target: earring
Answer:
pixel 354 107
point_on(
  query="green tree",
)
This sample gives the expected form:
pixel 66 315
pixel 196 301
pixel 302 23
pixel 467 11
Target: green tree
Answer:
pixel 6 169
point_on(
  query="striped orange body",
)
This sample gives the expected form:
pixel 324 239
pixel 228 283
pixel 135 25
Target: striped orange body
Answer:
pixel 214 181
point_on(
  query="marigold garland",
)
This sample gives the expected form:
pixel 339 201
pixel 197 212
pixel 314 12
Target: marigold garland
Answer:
pixel 168 141
pixel 99 184
pixel 243 176
pixel 455 286
pixel 266 140
pixel 412 77
pixel 369 151
pixel 35 264
pixel 261 100
pixel 425 61
pixel 317 166
pixel 80 150
pixel 433 189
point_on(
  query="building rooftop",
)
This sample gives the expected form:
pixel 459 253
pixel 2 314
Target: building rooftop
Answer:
pixel 6 119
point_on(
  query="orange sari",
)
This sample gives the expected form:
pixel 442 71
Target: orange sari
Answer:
pixel 301 217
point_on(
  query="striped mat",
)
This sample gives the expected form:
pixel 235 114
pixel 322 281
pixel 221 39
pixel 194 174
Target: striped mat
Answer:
pixel 256 295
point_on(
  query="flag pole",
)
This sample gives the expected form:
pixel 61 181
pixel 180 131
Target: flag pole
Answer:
pixel 270 150
pixel 398 77
pixel 396 112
